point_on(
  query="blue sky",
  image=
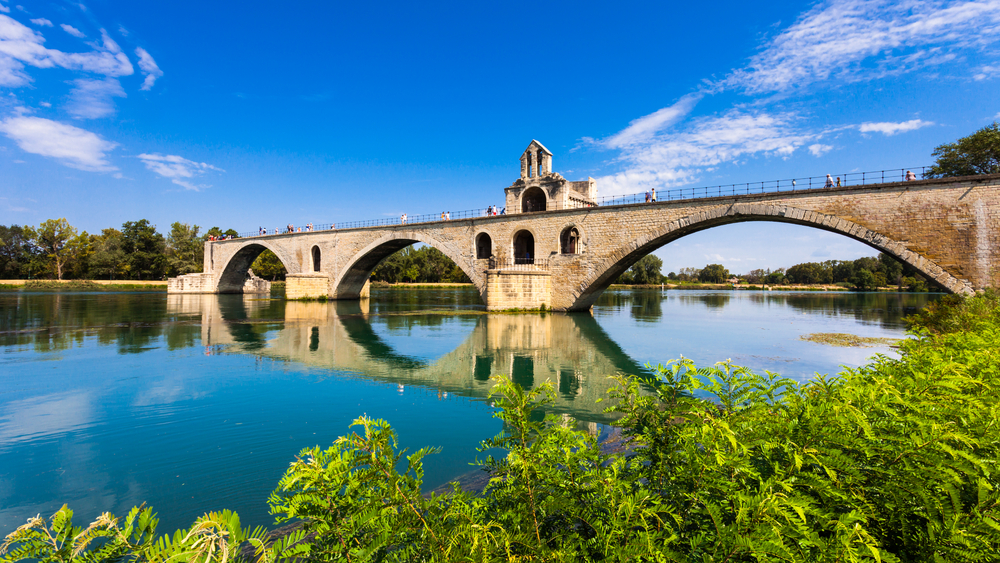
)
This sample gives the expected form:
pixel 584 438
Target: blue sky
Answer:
pixel 248 114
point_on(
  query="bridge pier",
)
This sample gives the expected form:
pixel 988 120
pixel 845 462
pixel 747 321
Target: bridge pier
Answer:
pixel 517 289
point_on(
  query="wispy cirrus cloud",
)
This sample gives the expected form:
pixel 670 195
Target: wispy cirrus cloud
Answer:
pixel 677 157
pixel 889 128
pixel 836 41
pixel 72 30
pixel 987 71
pixel 20 46
pixel 864 39
pixel 149 67
pixel 178 169
pixel 91 99
pixel 74 147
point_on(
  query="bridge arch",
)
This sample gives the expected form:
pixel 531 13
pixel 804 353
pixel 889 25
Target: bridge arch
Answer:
pixel 358 269
pixel 234 273
pixel 608 270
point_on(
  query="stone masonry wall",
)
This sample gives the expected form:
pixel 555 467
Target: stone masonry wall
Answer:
pixel 949 229
pixel 306 286
pixel 517 290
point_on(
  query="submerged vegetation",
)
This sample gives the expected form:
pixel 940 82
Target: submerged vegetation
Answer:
pixel 893 461
pixel 848 340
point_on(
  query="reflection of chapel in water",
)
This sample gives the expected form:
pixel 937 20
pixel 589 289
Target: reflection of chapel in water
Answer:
pixel 571 351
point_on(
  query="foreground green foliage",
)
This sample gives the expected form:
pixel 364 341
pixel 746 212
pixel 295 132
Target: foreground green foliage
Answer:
pixel 894 461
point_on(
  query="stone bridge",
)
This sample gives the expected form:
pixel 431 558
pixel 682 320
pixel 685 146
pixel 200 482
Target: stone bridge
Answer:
pixel 557 248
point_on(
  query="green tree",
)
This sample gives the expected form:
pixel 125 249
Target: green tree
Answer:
pixel 16 251
pixel 647 270
pixel 185 249
pixel 219 233
pixel 713 273
pixel 810 272
pixel 57 240
pixel 864 280
pixel 979 153
pixel 145 250
pixel 776 277
pixel 268 266
pixel 108 259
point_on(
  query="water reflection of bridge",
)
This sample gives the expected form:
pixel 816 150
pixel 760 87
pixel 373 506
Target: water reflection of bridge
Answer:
pixel 571 350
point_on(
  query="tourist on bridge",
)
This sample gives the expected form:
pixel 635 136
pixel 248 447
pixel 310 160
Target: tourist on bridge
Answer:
pixel 652 195
pixel 647 196
pixel 829 182
pixel 447 215
pixel 838 181
pixel 910 176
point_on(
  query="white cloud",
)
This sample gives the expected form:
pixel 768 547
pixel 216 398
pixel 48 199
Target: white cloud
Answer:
pixel 4 9
pixel 42 22
pixel 986 71
pixel 859 39
pixel 177 168
pixel 889 128
pixel 818 149
pixel 148 66
pixel 91 99
pixel 676 158
pixel 12 72
pixel 646 127
pixel 74 147
pixel 45 104
pixel 20 45
pixel 72 30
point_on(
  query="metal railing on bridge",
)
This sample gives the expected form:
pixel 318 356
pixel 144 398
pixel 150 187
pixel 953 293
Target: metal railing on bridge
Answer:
pixel 788 185
pixel 519 263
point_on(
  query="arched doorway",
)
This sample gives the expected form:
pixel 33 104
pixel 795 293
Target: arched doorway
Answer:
pixel 524 248
pixel 484 246
pixel 533 200
pixel 569 241
pixel 316 257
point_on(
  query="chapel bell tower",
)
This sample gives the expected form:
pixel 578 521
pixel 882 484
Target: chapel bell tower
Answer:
pixel 536 161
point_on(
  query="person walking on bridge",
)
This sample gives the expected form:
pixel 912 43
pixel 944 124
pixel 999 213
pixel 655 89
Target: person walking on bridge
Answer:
pixel 829 182
pixel 652 195
pixel 910 176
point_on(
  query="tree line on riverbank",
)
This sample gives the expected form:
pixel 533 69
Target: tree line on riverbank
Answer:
pixel 866 273
pixel 892 461
pixel 57 250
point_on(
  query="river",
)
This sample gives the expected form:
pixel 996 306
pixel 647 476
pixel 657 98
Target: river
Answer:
pixel 199 402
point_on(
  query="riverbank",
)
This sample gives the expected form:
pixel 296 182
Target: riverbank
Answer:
pixel 82 285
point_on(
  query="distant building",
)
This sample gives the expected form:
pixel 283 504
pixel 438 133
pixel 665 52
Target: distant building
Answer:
pixel 541 189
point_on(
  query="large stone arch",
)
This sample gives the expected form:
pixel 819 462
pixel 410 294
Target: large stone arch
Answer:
pixel 607 270
pixel 352 277
pixel 237 260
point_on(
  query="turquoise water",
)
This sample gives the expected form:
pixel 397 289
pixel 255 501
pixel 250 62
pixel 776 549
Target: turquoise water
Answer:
pixel 197 403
